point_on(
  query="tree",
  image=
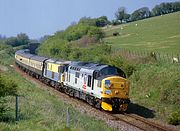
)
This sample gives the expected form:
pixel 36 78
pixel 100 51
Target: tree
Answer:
pixel 102 21
pixel 12 41
pixel 87 21
pixel 127 17
pixel 120 14
pixel 20 39
pixel 96 33
pixel 165 8
pixel 141 13
pixel 176 6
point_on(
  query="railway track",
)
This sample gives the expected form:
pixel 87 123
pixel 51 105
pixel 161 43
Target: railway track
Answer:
pixel 140 122
pixel 130 119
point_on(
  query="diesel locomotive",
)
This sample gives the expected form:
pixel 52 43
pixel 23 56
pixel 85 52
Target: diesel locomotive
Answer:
pixel 102 86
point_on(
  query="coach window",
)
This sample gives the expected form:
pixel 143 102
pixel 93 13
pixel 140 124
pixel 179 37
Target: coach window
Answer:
pixel 77 74
pixel 89 81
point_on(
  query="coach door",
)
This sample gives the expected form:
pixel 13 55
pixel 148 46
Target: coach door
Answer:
pixel 90 82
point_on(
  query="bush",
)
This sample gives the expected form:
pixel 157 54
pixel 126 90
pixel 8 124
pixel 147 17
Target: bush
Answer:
pixel 174 119
pixel 7 88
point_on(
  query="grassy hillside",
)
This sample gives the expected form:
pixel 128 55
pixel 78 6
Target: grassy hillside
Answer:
pixel 160 33
pixel 157 87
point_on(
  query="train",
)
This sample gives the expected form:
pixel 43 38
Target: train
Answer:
pixel 102 86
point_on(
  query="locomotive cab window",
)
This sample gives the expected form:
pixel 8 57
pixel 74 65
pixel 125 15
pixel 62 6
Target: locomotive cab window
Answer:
pixel 111 71
pixel 61 69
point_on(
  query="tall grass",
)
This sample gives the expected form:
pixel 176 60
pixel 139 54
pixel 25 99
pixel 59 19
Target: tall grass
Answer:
pixel 157 86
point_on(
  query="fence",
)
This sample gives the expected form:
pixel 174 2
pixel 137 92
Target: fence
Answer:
pixel 159 56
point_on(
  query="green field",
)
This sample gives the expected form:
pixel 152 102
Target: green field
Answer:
pixel 160 33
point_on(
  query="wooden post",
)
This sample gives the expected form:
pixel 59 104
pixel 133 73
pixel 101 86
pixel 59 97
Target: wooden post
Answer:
pixel 168 58
pixel 172 57
pixel 67 117
pixel 17 110
pixel 159 57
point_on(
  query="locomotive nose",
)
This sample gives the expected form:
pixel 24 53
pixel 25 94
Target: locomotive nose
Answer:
pixel 115 87
pixel 115 93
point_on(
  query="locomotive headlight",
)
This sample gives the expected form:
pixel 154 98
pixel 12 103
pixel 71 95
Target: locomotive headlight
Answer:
pixel 107 83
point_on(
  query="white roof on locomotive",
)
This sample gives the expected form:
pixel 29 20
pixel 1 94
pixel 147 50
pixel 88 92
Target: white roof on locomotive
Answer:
pixel 55 61
pixel 86 67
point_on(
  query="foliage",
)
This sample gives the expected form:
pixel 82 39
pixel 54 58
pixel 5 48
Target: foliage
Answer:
pixel 165 8
pixel 102 21
pixel 140 14
pixel 156 86
pixel 144 12
pixel 99 22
pixel 3 45
pixel 79 30
pixel 174 119
pixel 122 15
pixel 115 22
pixel 7 88
pixel 20 39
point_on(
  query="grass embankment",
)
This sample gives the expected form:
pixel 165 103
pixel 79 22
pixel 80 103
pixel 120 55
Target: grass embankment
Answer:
pixel 160 34
pixel 41 109
pixel 157 87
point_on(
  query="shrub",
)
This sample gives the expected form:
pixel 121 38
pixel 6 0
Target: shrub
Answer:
pixel 7 88
pixel 174 119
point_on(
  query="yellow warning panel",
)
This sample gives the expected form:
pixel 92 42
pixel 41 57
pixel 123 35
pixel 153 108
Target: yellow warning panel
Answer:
pixel 106 106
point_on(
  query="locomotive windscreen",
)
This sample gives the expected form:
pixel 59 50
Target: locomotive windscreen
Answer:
pixel 109 71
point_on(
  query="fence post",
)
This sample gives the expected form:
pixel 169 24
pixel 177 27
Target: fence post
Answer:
pixel 168 58
pixel 172 57
pixel 67 117
pixel 164 59
pixel 17 110
pixel 178 58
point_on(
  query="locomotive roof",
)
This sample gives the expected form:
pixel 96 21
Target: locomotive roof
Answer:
pixel 57 61
pixel 88 65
